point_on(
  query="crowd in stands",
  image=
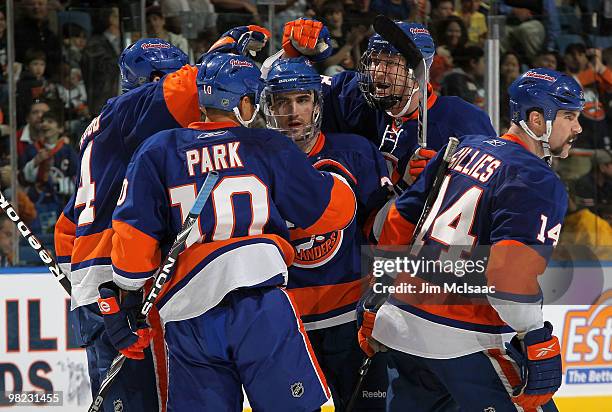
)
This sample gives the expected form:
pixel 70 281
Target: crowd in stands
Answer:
pixel 67 52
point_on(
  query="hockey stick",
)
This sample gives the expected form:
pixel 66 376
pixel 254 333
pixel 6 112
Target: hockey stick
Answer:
pixel 453 142
pixel 35 244
pixel 166 271
pixel 390 31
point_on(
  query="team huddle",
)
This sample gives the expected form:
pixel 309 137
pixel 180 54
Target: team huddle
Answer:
pixel 269 295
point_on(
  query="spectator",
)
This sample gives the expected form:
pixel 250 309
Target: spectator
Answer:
pixel 466 80
pixel 27 212
pixel 32 32
pixel 509 70
pixel 475 21
pixel 99 61
pixel 451 34
pixel 51 160
pixel 440 10
pixel 548 59
pixel 593 75
pixel 74 42
pixel 33 84
pixel 232 13
pixel 74 97
pixel 531 26
pixel 6 241
pixel 345 44
pixel 584 228
pixel 32 131
pixel 594 190
pixel 156 26
pixel 200 14
pixel 394 9
pixel 203 41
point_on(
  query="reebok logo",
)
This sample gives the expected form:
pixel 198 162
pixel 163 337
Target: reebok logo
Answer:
pixel 240 63
pixel 546 350
pixel 146 46
pixel 373 394
pixel 540 76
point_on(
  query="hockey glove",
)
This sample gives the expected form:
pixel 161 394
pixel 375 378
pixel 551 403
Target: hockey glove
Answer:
pixel 242 40
pixel 366 310
pixel 128 334
pixel 307 37
pixel 418 161
pixel 539 360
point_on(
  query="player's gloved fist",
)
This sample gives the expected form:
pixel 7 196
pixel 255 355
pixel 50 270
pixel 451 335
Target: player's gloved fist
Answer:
pixel 419 160
pixel 307 37
pixel 367 343
pixel 128 334
pixel 538 356
pixel 242 40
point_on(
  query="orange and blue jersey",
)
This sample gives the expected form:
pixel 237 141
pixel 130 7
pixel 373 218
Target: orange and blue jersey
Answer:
pixel 83 233
pixel 242 239
pixel 346 111
pixel 499 204
pixel 325 279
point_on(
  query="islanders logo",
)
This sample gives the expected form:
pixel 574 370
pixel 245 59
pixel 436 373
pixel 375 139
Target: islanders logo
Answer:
pixel 587 343
pixel 314 251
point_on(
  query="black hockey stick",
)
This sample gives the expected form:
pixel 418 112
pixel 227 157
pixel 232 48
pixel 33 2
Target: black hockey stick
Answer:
pixel 166 271
pixel 453 142
pixel 389 31
pixel 35 244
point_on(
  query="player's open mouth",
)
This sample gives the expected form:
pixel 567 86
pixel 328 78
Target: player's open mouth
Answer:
pixel 295 124
pixel 381 89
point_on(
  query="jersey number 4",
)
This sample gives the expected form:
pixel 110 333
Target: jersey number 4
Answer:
pixel 223 205
pixel 86 192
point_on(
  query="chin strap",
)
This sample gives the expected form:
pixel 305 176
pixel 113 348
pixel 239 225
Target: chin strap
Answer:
pixel 405 108
pixel 246 123
pixel 544 138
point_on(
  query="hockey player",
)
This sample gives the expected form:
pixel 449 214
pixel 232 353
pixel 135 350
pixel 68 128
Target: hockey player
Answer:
pixel 228 321
pixel 380 101
pixel 83 233
pixel 325 279
pixel 500 193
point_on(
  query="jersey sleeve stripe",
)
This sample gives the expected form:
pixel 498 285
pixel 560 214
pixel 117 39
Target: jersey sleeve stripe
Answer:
pixel 339 212
pixel 321 299
pixel 94 246
pixel 321 163
pixel 396 230
pixel 181 95
pixel 65 233
pixel 134 251
pixel 505 257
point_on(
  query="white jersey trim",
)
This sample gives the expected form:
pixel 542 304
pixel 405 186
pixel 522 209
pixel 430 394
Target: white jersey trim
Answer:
pixel 409 333
pixel 335 321
pixel 85 284
pixel 247 265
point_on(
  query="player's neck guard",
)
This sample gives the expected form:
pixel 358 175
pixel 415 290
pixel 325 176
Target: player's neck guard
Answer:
pixel 544 138
pixel 246 123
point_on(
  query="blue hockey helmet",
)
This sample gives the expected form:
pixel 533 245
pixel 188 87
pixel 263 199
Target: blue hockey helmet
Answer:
pixel 400 82
pixel 224 79
pixel 140 61
pixel 416 32
pixel 290 76
pixel 547 91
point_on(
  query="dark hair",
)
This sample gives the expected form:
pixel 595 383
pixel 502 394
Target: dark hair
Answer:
pixel 331 6
pixel 34 54
pixel 73 30
pixel 436 3
pixel 575 48
pixel 512 53
pixel 154 11
pixel 56 115
pixel 463 56
pixel 442 26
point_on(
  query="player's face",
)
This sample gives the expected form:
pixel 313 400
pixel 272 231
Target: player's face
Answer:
pixel 293 112
pixel 565 129
pixel 392 77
